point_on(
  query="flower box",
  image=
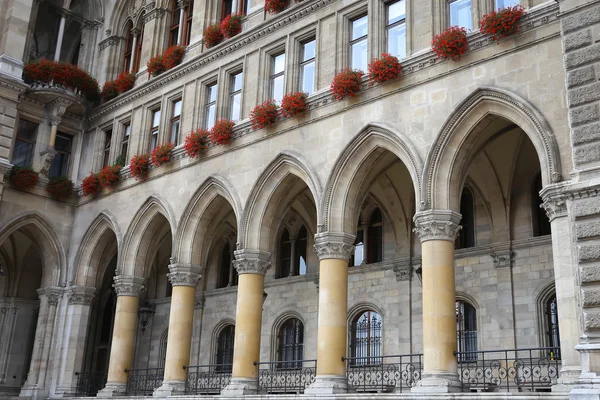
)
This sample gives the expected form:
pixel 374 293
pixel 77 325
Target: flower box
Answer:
pixel 162 154
pixel 450 44
pixel 109 176
pixel 196 142
pixel 60 188
pixel 109 91
pixel 125 82
pixel 173 56
pixel 264 115
pixel 212 35
pixel 222 132
pixel 231 25
pixel 138 167
pixel 91 185
pixel 23 178
pixel 502 23
pixel 384 69
pixel 346 83
pixel 294 104
pixel 155 66
pixel 274 6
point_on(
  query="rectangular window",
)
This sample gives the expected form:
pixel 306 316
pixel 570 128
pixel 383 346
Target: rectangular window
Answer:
pixel 358 43
pixel 396 28
pixel 235 96
pixel 25 143
pixel 210 109
pixel 460 13
pixel 176 121
pixel 307 67
pixel 125 141
pixel 154 129
pixel 507 3
pixel 277 78
pixel 60 164
pixel 106 150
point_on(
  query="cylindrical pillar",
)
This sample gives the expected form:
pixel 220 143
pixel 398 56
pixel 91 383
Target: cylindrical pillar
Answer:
pixel 136 33
pixel 437 230
pixel 128 290
pixel 181 4
pixel 333 250
pixel 61 33
pixel 293 259
pixel 251 266
pixel 184 278
pixel 53 132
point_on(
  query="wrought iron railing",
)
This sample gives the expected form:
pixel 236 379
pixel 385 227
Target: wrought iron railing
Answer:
pixel 384 373
pixel 143 382
pixel 89 383
pixel 207 379
pixel 285 376
pixel 534 369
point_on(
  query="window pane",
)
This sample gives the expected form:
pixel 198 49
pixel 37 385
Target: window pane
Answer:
pixel 396 12
pixel 156 118
pixel 506 3
pixel 358 254
pixel 63 143
pixel 177 108
pixel 127 131
pixel 237 82
pixel 210 116
pixel 308 78
pixel 359 55
pixel 277 88
pixel 27 130
pixel 175 133
pixel 309 50
pixel 59 165
pixel 236 106
pixel 22 153
pixel 397 41
pixel 153 139
pixel 460 13
pixel 278 63
pixel 360 27
pixel 212 93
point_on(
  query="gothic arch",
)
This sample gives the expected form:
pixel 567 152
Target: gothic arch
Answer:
pixel 459 139
pixel 341 195
pixel 267 192
pixel 357 309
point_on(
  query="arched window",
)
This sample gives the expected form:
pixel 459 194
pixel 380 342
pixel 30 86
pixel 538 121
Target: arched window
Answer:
pixel 466 330
pixel 174 28
pixel 285 255
pixel 541 223
pixel 227 274
pixel 358 256
pixel 551 327
pixel 365 338
pixel 466 236
pixel 162 352
pixel 187 36
pixel 130 51
pixel 290 346
pixel 128 46
pixel 301 246
pixel 224 357
pixel 375 237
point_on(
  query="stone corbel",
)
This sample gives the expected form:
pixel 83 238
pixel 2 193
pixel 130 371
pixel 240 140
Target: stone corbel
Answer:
pixel 48 156
pixel 502 258
pixel 252 261
pixel 437 225
pixel 554 201
pixel 199 303
pixel 403 270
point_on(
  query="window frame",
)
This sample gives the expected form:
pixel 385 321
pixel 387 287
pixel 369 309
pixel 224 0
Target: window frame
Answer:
pixel 24 140
pixel 449 14
pixel 369 359
pixel 154 128
pixel 296 326
pixel 208 103
pixel 275 75
pixel 304 63
pixel 466 339
pixel 353 42
pixel 125 137
pixel 174 25
pixel 388 27
pixel 66 167
pixel 232 93
pixel 225 351
pixel 175 119
pixel 128 51
pixel 107 145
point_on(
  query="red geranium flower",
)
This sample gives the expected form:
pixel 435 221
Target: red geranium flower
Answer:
pixel 502 23
pixel 264 115
pixel 162 154
pixel 212 35
pixel 173 56
pixel 124 82
pixel 91 185
pixel 109 176
pixel 155 65
pixel 196 142
pixel 222 132
pixel 23 178
pixel 60 187
pixel 294 104
pixel 346 83
pixel 384 69
pixel 109 91
pixel 138 167
pixel 231 25
pixel 274 6
pixel 450 44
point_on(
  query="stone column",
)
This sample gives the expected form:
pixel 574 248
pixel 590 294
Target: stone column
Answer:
pixel 35 387
pixel 80 300
pixel 293 260
pixel 333 250
pixel 136 34
pixel 184 278
pixel 8 314
pixel 182 4
pixel 61 34
pixel 251 266
pixel 437 230
pixel 55 110
pixel 128 289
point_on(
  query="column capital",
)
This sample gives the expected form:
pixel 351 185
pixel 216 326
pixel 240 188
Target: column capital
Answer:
pixel 53 293
pixel 182 3
pixel 81 295
pixel 128 285
pixel 554 199
pixel 181 274
pixel 337 245
pixel 252 261
pixel 136 31
pixel 437 225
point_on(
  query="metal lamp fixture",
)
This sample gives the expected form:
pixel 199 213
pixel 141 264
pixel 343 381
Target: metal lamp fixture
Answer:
pixel 145 314
pixel 419 273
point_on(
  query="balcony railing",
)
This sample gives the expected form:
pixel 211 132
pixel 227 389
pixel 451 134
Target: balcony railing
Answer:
pixel 384 373
pixel 207 379
pixel 143 382
pixel 285 376
pixel 89 383
pixel 532 370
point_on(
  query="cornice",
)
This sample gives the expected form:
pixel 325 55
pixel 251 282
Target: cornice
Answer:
pixel 11 84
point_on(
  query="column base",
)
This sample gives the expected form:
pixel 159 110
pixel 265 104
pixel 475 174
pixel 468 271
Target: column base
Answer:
pixel 113 389
pixel 170 388
pixel 567 378
pixel 33 392
pixel 240 387
pixel 438 383
pixel 328 384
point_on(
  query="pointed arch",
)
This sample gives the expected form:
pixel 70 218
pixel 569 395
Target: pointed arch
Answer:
pixel 267 192
pixel 190 240
pixel 461 137
pixel 341 195
pixel 139 235
pixel 44 236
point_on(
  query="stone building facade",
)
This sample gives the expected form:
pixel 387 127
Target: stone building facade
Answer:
pixel 326 247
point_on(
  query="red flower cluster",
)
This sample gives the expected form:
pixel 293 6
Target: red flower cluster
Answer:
pixel 109 176
pixel 196 142
pixel 264 115
pixel 274 6
pixel 155 65
pixel 384 69
pixel 502 23
pixel 212 35
pixel 60 187
pixel 231 25
pixel 125 82
pixel 294 104
pixel 450 44
pixel 91 185
pixel 23 178
pixel 138 167
pixel 162 154
pixel 64 74
pixel 173 56
pixel 222 132
pixel 109 91
pixel 346 83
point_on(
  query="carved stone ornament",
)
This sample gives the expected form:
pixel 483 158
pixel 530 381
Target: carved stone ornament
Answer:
pixel 48 156
pixel 403 271
pixel 81 295
pixel 128 285
pixel 184 274
pixel 53 293
pixel 437 225
pixel 334 245
pixel 252 261
pixel 199 304
pixel 502 259
pixel 555 207
pixel 56 109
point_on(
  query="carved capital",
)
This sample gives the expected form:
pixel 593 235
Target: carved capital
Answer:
pixel 182 3
pixel 334 245
pixel 52 293
pixel 252 261
pixel 56 109
pixel 554 200
pixel 135 31
pixel 199 303
pixel 184 274
pixel 128 285
pixel 437 225
pixel 81 295
pixel 502 258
